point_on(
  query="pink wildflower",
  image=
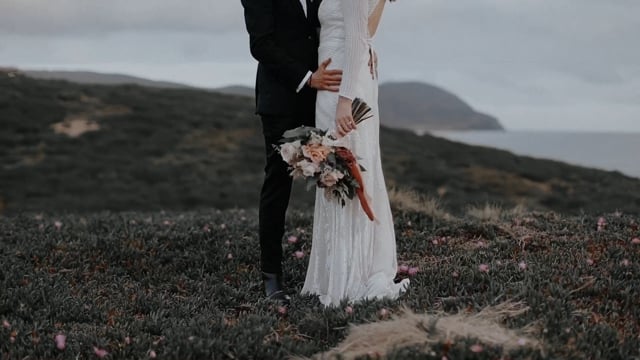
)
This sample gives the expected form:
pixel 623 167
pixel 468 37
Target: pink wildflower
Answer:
pixel 282 310
pixel 61 341
pixel 413 271
pixel 292 239
pixel 152 354
pixel 58 225
pixel 403 269
pixel 635 241
pixel 602 224
pixel 299 254
pixel 476 348
pixel 522 265
pixel 229 256
pixel 5 324
pixel 483 268
pixel 384 313
pixel 101 353
pixel 625 262
pixel 348 310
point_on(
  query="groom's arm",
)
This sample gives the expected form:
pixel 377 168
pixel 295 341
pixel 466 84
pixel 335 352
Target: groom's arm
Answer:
pixel 259 19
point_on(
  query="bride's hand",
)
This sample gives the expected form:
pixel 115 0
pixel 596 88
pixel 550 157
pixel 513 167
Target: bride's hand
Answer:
pixel 344 117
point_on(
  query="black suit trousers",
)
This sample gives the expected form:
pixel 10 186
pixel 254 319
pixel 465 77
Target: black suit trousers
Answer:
pixel 276 189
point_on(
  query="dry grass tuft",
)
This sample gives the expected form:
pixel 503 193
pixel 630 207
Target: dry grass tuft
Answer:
pixel 410 200
pixel 488 212
pixel 410 329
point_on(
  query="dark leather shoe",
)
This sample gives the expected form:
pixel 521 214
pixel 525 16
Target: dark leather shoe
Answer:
pixel 273 288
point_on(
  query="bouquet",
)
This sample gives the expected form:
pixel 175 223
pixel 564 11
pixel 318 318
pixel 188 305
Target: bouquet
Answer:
pixel 313 155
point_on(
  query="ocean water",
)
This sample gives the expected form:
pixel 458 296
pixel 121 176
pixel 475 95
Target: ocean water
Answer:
pixel 607 151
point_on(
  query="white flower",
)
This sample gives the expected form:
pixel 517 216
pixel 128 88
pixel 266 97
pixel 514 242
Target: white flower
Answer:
pixel 331 177
pixel 308 168
pixel 289 151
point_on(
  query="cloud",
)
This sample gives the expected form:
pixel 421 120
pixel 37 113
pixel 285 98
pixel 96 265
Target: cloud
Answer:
pixel 576 59
pixel 75 18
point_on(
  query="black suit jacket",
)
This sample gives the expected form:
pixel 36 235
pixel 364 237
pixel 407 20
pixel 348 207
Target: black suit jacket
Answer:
pixel 285 43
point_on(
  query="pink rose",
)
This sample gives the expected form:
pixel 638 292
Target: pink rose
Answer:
pixel 316 152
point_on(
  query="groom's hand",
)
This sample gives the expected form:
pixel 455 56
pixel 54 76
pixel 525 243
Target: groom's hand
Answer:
pixel 324 79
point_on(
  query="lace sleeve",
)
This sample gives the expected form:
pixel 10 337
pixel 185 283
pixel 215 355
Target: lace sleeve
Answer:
pixel 356 14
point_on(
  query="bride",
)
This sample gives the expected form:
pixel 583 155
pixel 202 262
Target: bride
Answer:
pixel 352 258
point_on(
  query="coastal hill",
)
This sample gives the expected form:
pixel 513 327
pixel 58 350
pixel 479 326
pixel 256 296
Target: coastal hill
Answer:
pixel 414 106
pixel 422 107
pixel 80 147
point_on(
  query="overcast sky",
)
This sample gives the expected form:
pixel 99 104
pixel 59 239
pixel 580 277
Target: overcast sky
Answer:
pixel 535 64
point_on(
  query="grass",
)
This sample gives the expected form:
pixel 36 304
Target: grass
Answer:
pixel 185 285
pixel 186 149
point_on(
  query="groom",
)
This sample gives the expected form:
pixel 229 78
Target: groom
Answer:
pixel 284 39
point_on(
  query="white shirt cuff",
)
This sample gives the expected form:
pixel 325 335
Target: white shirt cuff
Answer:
pixel 304 81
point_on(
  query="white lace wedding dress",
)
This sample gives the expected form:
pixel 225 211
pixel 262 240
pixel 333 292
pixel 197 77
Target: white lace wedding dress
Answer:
pixel 352 257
